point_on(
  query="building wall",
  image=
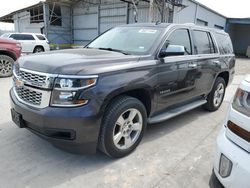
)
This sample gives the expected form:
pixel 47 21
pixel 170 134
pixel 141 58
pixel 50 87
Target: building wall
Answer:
pixel 59 34
pixel 211 18
pixel 22 23
pixel 91 20
pixel 83 21
pixel 194 13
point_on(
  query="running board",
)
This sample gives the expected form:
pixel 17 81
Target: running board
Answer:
pixel 176 111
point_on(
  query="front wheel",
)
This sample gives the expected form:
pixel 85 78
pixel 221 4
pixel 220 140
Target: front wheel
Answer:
pixel 123 126
pixel 216 96
pixel 6 66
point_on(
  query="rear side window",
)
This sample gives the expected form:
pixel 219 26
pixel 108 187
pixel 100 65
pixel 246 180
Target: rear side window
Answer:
pixel 224 43
pixel 180 37
pixel 28 37
pixel 22 37
pixel 203 43
pixel 40 37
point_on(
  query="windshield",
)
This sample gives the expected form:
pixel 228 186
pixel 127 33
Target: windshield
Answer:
pixel 6 35
pixel 130 40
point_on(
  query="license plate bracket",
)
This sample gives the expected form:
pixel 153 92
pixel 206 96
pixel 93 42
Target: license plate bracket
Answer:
pixel 17 118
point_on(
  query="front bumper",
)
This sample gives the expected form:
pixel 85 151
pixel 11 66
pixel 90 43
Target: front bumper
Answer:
pixel 72 129
pixel 240 159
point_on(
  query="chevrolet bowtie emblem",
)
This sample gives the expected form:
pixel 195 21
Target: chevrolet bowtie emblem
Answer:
pixel 19 83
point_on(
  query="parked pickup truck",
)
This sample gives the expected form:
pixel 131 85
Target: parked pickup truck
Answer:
pixel 104 95
pixel 10 51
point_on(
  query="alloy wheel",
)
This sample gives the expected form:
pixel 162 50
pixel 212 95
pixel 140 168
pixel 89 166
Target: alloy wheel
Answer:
pixel 5 67
pixel 127 129
pixel 218 94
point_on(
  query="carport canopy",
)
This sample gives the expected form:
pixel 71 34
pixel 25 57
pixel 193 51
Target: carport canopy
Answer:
pixel 239 31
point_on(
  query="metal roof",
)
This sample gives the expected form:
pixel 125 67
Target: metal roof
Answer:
pixel 9 17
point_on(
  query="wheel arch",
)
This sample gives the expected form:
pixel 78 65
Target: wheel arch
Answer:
pixel 225 76
pixel 38 46
pixel 8 53
pixel 142 94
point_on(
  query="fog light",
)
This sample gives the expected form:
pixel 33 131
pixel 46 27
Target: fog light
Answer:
pixel 225 166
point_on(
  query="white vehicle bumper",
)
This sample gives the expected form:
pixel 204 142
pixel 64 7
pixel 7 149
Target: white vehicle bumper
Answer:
pixel 46 47
pixel 240 159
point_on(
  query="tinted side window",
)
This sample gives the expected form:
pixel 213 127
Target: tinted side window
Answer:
pixel 224 43
pixel 16 36
pixel 213 49
pixel 40 37
pixel 203 43
pixel 27 37
pixel 180 37
pixel 22 37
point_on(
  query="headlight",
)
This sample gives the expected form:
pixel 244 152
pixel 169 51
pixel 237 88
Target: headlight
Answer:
pixel 241 102
pixel 18 45
pixel 66 91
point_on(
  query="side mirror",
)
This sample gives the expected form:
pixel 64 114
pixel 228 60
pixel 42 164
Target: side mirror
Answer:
pixel 173 50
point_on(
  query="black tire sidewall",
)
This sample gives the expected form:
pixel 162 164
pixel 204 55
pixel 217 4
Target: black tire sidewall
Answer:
pixel 111 117
pixel 38 47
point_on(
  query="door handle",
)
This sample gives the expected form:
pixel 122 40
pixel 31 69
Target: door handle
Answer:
pixel 192 65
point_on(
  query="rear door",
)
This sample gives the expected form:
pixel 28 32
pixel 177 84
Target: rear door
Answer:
pixel 178 75
pixel 27 42
pixel 208 60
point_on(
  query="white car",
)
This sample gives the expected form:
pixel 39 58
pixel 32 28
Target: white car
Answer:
pixel 232 160
pixel 30 42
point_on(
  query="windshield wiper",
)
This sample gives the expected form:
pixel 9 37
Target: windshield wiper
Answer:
pixel 114 50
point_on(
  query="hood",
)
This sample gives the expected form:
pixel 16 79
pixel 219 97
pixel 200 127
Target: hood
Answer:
pixel 77 61
pixel 5 40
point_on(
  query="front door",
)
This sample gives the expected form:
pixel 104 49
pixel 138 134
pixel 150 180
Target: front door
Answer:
pixel 178 74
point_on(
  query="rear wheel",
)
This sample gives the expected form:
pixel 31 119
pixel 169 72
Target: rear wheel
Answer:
pixel 123 126
pixel 38 49
pixel 6 66
pixel 216 96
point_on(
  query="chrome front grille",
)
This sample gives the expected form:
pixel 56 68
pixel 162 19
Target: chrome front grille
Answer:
pixel 33 88
pixel 29 96
pixel 35 79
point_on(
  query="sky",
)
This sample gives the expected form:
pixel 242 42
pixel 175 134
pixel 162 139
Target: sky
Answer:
pixel 228 8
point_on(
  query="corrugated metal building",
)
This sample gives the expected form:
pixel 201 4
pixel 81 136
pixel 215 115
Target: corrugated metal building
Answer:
pixel 79 21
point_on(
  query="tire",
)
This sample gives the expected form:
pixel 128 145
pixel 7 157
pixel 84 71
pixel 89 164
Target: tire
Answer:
pixel 217 93
pixel 117 125
pixel 6 66
pixel 38 49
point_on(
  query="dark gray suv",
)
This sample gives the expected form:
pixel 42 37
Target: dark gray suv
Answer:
pixel 104 95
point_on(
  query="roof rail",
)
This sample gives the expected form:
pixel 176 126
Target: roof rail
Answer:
pixel 189 24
